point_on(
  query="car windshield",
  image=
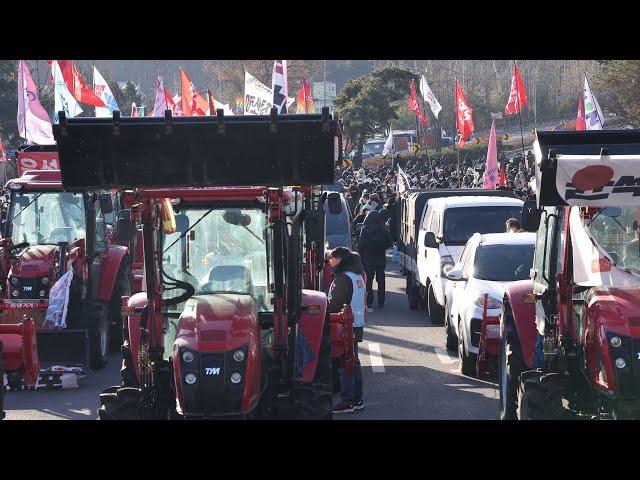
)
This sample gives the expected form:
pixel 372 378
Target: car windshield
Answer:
pixel 616 231
pixel 224 251
pixel 460 223
pixel 47 217
pixel 503 263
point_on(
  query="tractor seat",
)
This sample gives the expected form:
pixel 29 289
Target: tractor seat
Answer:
pixel 61 234
pixel 232 278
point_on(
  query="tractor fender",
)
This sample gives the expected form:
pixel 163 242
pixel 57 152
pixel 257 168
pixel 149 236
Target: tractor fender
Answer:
pixel 312 320
pixel 139 302
pixel 109 272
pixel 524 318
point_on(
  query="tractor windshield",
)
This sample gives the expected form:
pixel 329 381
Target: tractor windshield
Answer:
pixel 47 217
pixel 220 250
pixel 616 231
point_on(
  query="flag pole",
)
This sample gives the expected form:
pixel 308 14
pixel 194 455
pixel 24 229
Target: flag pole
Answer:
pixel 520 115
pixel 455 116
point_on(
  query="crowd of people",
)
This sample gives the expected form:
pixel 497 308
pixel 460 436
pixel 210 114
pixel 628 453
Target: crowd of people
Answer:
pixel 371 195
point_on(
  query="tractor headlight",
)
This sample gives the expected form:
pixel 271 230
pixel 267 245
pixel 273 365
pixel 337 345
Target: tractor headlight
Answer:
pixel 15 280
pixel 615 342
pixel 238 355
pixel 492 303
pixel 42 292
pixel 188 356
pixel 45 280
pixel 236 378
pixel 190 378
pixel 620 363
pixel 15 292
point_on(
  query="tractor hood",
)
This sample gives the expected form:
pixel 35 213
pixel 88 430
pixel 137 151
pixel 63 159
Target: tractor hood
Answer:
pixel 618 308
pixel 35 261
pixel 217 321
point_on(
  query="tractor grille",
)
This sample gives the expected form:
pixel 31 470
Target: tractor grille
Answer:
pixel 213 394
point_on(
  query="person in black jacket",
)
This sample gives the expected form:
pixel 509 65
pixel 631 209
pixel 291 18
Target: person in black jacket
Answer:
pixel 373 243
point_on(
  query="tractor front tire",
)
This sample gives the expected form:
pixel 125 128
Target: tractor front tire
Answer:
pixel 537 399
pixel 120 403
pixel 95 318
pixel 436 312
pixel 451 343
pixel 467 360
pixel 511 366
pixel 413 292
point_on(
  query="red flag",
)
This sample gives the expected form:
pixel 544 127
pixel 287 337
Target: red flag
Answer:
pixel 76 85
pixel 304 102
pixel 517 96
pixel 502 181
pixel 580 123
pixel 3 153
pixel 414 106
pixel 348 147
pixel 193 104
pixel 464 116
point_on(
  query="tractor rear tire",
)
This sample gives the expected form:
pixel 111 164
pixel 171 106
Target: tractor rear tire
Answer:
pixel 95 318
pixel 120 403
pixel 121 287
pixel 537 399
pixel 436 312
pixel 413 292
pixel 511 366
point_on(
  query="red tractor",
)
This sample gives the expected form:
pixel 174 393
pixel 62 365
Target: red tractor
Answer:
pixel 225 327
pixel 570 337
pixel 47 232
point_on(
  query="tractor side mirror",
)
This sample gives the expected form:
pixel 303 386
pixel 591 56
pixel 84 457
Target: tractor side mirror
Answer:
pixel 313 226
pixel 106 204
pixel 430 240
pixel 530 220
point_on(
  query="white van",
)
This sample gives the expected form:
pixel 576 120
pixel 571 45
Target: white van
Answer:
pixel 447 224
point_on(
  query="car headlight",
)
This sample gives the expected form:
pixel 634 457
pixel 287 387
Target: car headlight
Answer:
pixel 492 303
pixel 615 342
pixel 188 356
pixel 238 355
pixel 446 264
pixel 190 378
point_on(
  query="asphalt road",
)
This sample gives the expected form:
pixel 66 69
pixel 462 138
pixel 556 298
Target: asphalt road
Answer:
pixel 407 374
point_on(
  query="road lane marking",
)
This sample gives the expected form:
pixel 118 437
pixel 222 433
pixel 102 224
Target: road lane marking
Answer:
pixel 444 356
pixel 375 357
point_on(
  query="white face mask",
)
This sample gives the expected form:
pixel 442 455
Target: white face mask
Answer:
pixel 374 205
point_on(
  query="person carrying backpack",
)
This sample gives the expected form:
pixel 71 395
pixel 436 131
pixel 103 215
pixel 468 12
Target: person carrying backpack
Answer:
pixel 373 243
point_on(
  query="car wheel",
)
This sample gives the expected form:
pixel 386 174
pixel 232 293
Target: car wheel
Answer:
pixel 436 312
pixel 467 360
pixel 452 340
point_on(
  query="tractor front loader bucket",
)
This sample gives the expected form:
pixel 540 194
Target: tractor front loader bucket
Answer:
pixel 197 151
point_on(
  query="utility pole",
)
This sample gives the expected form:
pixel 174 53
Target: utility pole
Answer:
pixel 324 104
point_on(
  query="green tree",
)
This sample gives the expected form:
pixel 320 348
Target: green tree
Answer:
pixel 619 81
pixel 8 102
pixel 370 104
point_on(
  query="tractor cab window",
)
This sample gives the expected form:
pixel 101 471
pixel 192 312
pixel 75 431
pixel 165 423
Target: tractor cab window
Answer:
pixel 101 225
pixel 616 230
pixel 40 218
pixel 220 250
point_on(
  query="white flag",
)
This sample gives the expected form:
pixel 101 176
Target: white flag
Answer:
pixel 388 145
pixel 102 90
pixel 63 100
pixel 429 97
pixel 593 117
pixel 258 98
pixel 403 182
